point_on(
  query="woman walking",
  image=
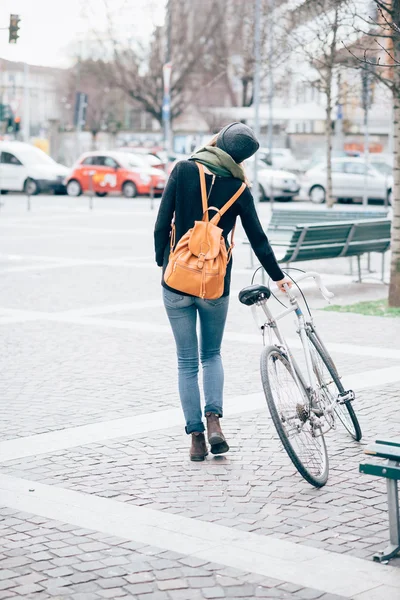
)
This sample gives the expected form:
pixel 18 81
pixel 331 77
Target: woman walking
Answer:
pixel 182 203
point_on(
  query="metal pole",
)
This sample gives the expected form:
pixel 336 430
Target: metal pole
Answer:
pixel 151 197
pixel 26 106
pixel 91 190
pixel 256 101
pixel 77 85
pixel 366 101
pixel 271 92
pixel 256 88
pixel 167 74
pixel 366 157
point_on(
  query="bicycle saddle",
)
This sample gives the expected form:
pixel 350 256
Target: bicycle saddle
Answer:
pixel 254 293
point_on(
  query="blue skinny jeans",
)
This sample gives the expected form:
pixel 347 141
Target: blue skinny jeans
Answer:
pixel 182 313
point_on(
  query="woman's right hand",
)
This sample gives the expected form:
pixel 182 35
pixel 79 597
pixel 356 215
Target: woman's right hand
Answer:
pixel 282 282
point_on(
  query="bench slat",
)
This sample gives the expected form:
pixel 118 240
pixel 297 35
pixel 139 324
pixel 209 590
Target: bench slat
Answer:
pixel 380 471
pixel 389 442
pixel 383 451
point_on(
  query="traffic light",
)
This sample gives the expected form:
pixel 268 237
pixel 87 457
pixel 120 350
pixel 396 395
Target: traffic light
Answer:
pixel 17 124
pixel 5 112
pixel 13 29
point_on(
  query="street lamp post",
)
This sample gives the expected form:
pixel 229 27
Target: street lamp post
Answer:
pixel 166 106
pixel 271 93
pixel 366 101
pixel 256 88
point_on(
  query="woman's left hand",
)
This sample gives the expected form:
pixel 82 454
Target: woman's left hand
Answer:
pixel 282 282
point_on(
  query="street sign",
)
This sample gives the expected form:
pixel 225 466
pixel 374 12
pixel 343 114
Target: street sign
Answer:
pixel 81 102
pixel 166 108
pixel 167 77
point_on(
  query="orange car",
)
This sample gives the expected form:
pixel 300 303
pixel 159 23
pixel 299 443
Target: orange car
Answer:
pixel 118 172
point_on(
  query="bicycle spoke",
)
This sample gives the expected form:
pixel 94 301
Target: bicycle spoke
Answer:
pixel 292 407
pixel 330 389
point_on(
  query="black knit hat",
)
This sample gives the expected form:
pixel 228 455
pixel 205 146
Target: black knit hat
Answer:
pixel 238 140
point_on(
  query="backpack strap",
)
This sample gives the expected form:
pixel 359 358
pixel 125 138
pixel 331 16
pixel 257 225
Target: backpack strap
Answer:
pixel 227 206
pixel 203 191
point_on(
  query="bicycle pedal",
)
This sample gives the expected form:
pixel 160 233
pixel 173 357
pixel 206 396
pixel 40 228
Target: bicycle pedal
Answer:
pixel 348 396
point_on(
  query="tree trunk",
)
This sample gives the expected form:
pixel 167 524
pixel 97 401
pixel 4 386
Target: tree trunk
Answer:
pixel 394 287
pixel 328 130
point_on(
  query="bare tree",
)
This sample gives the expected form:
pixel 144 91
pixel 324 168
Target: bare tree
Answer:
pixel 137 68
pixel 378 52
pixel 105 105
pixel 318 29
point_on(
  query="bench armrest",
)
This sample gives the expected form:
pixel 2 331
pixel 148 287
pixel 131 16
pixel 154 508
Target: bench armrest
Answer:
pixel 388 472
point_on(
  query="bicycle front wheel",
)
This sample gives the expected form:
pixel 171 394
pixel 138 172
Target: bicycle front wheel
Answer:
pixel 296 425
pixel 330 385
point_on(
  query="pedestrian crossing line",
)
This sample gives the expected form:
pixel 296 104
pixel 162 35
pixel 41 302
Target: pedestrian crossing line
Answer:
pixel 325 571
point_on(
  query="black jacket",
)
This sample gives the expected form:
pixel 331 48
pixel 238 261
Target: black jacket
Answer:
pixel 182 196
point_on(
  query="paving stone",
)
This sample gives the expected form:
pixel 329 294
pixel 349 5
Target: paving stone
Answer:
pixel 201 582
pixel 111 593
pixel 7 574
pixel 83 577
pixel 308 594
pixel 154 596
pixel 111 582
pixel 168 574
pixel 172 584
pixel 139 588
pixel 214 592
pixel 30 588
pixel 143 577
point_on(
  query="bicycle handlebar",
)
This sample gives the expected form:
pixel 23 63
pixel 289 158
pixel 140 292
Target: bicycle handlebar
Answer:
pixel 318 280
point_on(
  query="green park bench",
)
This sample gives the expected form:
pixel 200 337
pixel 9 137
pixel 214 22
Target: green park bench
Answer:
pixel 389 450
pixel 333 240
pixel 292 217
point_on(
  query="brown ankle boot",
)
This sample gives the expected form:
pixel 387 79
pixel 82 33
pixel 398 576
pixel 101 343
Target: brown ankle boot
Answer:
pixel 198 450
pixel 215 436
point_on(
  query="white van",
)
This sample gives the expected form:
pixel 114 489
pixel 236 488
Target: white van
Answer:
pixel 24 168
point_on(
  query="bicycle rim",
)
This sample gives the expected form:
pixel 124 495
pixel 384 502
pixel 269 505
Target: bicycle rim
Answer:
pixel 289 407
pixel 331 386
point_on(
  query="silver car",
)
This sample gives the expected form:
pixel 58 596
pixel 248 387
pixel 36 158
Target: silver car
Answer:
pixel 283 185
pixel 348 180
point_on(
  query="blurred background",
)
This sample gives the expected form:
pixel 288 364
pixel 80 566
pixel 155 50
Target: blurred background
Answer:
pixel 157 78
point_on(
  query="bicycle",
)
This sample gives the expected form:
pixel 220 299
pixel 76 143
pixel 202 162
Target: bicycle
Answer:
pixel 303 408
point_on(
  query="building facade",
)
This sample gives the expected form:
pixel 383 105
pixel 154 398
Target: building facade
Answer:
pixel 43 94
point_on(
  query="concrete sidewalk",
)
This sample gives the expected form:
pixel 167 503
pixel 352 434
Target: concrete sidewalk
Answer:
pixel 98 497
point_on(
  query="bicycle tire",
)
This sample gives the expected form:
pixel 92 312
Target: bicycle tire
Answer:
pixel 269 354
pixel 354 429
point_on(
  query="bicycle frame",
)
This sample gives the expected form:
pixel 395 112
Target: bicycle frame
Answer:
pixel 311 385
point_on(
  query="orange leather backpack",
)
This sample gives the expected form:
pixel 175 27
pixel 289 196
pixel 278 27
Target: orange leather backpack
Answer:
pixel 198 264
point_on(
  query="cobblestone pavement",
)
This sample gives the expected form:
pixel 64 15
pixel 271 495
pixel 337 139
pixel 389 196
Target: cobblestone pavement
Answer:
pixel 46 559
pixel 84 340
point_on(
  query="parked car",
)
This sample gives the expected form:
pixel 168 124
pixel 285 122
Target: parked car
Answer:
pixel 106 172
pixel 282 184
pixel 348 176
pixel 24 168
pixel 143 158
pixel 281 158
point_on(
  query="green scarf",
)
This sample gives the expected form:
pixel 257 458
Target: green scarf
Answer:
pixel 218 162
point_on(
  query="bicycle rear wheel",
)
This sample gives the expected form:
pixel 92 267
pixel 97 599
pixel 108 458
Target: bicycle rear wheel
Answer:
pixel 289 407
pixel 330 384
